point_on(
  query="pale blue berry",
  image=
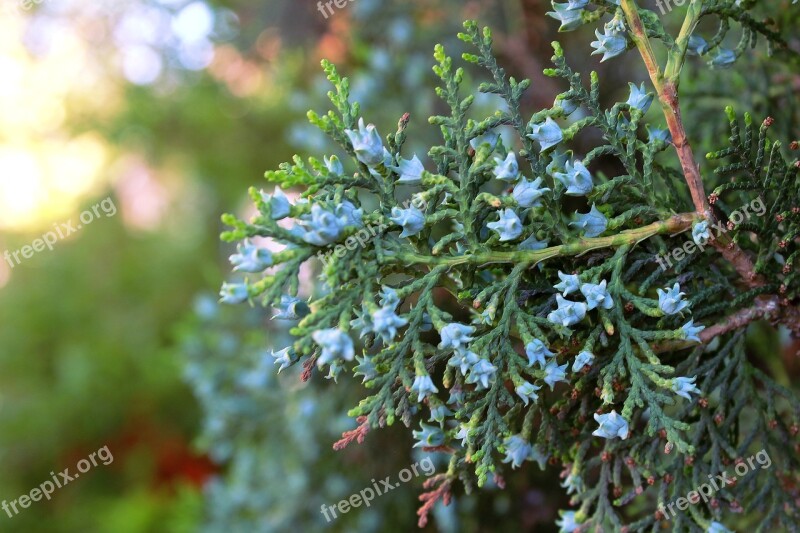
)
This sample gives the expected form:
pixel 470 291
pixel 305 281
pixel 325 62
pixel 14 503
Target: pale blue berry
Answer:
pixel 537 352
pixel 482 373
pixel 284 358
pixel 610 44
pixel 553 373
pixel 547 134
pixel 639 97
pixel 366 368
pixel 335 344
pixel 363 320
pixel 349 214
pixel 423 386
pixel 490 138
pixel 389 297
pixel 583 359
pixel 508 227
pixel 576 178
pixel 527 391
pixel 532 243
pixel 410 170
pixel 684 386
pixel 518 450
pixel 463 433
pixel 463 360
pixel 573 483
pixel 321 227
pixel 385 323
pixel 716 527
pixel 670 301
pixel 597 295
pixel 725 58
pixel 455 336
pixel 278 202
pixel 567 105
pixel 568 313
pixel 567 523
pixel 291 308
pixel 570 18
pixel 250 258
pixel 658 135
pixel 612 425
pixel 412 220
pixel 569 283
pixel 700 233
pixel 366 143
pixel 592 223
pixel 429 437
pixel 506 169
pixel 697 46
pixel 690 331
pixel 233 293
pixel 333 165
pixel 529 193
pixel 439 413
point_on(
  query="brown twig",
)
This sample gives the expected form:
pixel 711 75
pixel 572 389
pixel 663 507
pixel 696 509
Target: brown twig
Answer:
pixel 430 498
pixel 667 89
pixel 358 434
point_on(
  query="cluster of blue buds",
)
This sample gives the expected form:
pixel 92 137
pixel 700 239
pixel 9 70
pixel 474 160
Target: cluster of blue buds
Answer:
pixel 612 42
pixel 335 344
pixel 570 14
pixel 477 370
pixel 322 227
pixel 700 233
pixel 569 313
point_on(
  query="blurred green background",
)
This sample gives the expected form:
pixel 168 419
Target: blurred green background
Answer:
pixel 173 108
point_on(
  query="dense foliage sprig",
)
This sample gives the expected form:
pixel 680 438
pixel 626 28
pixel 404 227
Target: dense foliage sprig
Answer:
pixel 504 306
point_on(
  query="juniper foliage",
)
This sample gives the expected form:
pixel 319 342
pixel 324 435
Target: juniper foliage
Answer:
pixel 515 303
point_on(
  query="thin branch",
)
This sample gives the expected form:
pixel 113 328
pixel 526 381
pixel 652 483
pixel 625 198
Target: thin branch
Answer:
pixel 667 89
pixel 672 226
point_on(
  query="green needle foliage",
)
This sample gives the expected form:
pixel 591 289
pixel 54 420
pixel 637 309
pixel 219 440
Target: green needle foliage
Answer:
pixel 516 302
